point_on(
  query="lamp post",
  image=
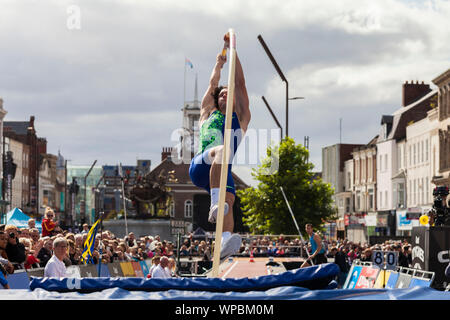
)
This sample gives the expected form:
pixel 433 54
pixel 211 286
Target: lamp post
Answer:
pixel 275 64
pixel 273 116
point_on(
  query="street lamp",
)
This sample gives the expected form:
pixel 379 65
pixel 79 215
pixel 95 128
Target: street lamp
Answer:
pixel 273 116
pixel 275 64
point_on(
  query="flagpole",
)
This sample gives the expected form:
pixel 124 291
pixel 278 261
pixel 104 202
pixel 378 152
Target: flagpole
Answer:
pixel 184 97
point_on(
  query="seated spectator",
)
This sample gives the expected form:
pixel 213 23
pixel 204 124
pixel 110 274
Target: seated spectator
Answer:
pixel 14 249
pixel 74 253
pixel 31 256
pixel 3 256
pixel 24 233
pixel 55 267
pixel 35 235
pixel 31 223
pixel 45 253
pixel 3 276
pixel 184 251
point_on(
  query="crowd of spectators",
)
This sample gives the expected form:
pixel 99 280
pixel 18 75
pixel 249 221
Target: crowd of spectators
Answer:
pixel 27 248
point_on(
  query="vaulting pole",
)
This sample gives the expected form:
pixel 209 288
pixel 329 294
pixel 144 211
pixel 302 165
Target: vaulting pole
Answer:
pixel 225 154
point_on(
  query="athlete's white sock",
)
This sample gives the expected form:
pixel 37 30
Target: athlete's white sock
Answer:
pixel 225 236
pixel 214 196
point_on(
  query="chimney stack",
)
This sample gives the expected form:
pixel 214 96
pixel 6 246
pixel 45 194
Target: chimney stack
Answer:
pixel 412 92
pixel 166 153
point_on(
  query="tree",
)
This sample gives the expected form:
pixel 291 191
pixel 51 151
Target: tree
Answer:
pixel 264 208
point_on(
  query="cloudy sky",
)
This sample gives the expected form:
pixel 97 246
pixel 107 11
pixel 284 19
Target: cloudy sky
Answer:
pixel 105 79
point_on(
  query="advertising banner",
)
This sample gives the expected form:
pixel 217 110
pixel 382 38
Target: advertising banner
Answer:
pixel 73 272
pixel 393 277
pixel 367 277
pixel 137 269
pixel 419 248
pixel 88 271
pixel 115 270
pixel 402 222
pixel 353 277
pixel 439 246
pixel 127 269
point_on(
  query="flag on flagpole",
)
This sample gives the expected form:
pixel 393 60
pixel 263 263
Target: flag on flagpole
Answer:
pixel 189 63
pixel 86 256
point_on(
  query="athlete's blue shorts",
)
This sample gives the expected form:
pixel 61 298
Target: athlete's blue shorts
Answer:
pixel 200 169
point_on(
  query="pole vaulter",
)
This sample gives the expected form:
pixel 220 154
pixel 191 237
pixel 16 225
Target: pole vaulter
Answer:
pixel 224 118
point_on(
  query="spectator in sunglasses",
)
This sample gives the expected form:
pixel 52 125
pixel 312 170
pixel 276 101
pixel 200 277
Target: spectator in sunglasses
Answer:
pixel 48 225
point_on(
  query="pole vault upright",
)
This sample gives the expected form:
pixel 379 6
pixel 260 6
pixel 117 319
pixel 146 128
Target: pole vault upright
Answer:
pixel 225 154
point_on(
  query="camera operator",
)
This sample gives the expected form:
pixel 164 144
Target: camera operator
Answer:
pixel 14 249
pixel 440 214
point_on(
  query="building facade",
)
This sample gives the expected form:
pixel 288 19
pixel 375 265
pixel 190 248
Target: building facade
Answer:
pixel 443 84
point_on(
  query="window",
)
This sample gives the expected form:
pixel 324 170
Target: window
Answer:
pixel 415 192
pixel 381 199
pixel 422 151
pixel 401 195
pixel 172 209
pixel 385 162
pixel 415 154
pixel 426 150
pixel 410 156
pixel 188 209
pixel 381 163
pixel 371 199
pixel 386 199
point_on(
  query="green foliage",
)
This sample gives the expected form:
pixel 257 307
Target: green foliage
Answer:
pixel 264 208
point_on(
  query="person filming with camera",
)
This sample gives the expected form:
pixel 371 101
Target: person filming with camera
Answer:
pixel 14 249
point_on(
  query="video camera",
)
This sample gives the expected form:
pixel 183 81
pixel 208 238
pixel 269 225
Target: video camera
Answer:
pixel 440 213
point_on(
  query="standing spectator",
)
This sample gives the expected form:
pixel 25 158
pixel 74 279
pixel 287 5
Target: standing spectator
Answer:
pixel 85 229
pixel 14 249
pixel 367 255
pixel 48 225
pixel 171 267
pixel 160 270
pixel 45 253
pixel 340 258
pixel 402 258
pixel 407 253
pixel 317 251
pixel 130 240
pixel 55 266
pixel 155 263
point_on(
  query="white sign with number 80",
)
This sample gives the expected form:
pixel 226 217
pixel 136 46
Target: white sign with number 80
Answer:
pixel 385 259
